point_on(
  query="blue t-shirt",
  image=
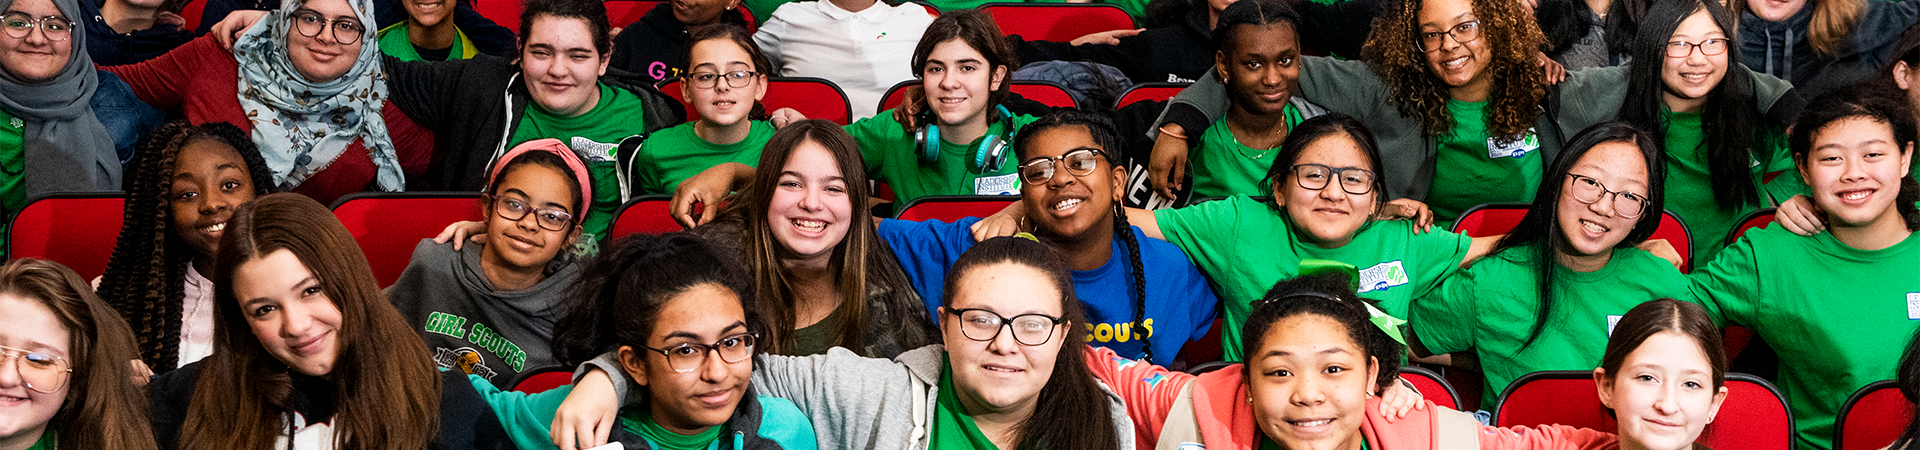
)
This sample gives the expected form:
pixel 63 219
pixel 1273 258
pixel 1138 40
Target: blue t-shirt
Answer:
pixel 1180 305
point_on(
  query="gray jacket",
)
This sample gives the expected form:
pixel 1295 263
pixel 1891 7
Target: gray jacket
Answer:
pixel 468 324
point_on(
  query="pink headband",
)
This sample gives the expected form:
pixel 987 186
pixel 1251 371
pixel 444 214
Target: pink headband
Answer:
pixel 560 149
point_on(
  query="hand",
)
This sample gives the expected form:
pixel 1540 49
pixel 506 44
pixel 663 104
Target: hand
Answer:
pixel 1664 250
pixel 1167 167
pixel 463 231
pixel 1008 221
pixel 705 189
pixel 1556 73
pixel 1531 4
pixel 1106 37
pixel 915 99
pixel 587 416
pixel 1395 402
pixel 1408 209
pixel 1800 216
pixel 785 116
pixel 141 373
pixel 230 28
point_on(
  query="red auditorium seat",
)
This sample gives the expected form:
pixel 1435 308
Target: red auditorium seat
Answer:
pixel 1431 385
pixel 622 13
pixel 503 12
pixel 75 230
pixel 1753 417
pixel 950 208
pixel 1872 418
pixel 542 379
pixel 1494 219
pixel 1756 219
pixel 1060 22
pixel 816 98
pixel 388 225
pixel 1149 92
pixel 192 11
pixel 650 214
pixel 1046 93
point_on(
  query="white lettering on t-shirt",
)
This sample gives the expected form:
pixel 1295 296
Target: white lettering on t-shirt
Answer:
pixel 1518 148
pixel 1382 276
pixel 1913 306
pixel 997 185
pixel 1612 320
pixel 593 151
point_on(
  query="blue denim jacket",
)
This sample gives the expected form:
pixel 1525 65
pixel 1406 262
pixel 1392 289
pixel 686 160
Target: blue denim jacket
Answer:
pixel 126 117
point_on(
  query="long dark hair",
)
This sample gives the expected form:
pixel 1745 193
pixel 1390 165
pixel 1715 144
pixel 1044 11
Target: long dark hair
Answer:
pixel 1325 125
pixel 1108 140
pixel 620 295
pixel 103 409
pixel 1907 378
pixel 1072 411
pixel 1872 101
pixel 738 36
pixel 1540 229
pixel 146 278
pixel 979 32
pixel 1331 296
pixel 1732 126
pixel 386 392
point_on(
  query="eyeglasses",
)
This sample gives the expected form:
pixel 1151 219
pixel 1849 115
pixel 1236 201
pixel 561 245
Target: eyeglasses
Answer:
pixel 41 372
pixel 688 357
pixel 18 25
pixel 1709 47
pixel 1080 162
pixel 1463 33
pixel 550 219
pixel 310 23
pixel 1028 329
pixel 1588 190
pixel 709 80
pixel 1353 180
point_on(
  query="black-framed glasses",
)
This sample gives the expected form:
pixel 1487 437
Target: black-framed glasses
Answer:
pixel 1709 47
pixel 1028 329
pixel 1587 190
pixel 1463 33
pixel 688 357
pixel 19 25
pixel 41 372
pixel 709 80
pixel 1080 162
pixel 1353 180
pixel 310 23
pixel 514 209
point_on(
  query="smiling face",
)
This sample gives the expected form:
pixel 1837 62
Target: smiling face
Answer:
pixel 1593 229
pixel 1460 65
pixel 700 12
pixel 1327 217
pixel 1261 72
pixel 810 212
pixel 28 324
pixel 561 65
pixel 1775 10
pixel 1309 383
pixel 1001 376
pixel 524 245
pixel 690 402
pixel 35 58
pixel 959 83
pixel 288 311
pixel 1854 170
pixel 323 58
pixel 209 181
pixel 1664 394
pixel 428 13
pixel 723 104
pixel 1690 78
pixel 1071 207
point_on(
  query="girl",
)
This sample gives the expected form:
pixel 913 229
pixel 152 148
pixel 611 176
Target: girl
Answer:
pixel 1008 376
pixel 1854 148
pixel 673 308
pixel 726 78
pixel 1908 379
pixel 655 47
pixel 1571 263
pixel 1821 45
pixel 63 364
pixel 1143 298
pixel 1259 50
pixel 184 188
pixel 308 353
pixel 509 291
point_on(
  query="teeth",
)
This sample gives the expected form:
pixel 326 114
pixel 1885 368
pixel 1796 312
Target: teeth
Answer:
pixel 809 224
pixel 951 100
pixel 1314 423
pixel 1456 63
pixel 1068 203
pixel 1855 195
pixel 215 228
pixel 1592 227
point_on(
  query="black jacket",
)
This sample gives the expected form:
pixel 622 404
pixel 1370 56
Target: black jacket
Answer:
pixel 466 421
pixel 655 48
pixel 111 48
pixel 1175 54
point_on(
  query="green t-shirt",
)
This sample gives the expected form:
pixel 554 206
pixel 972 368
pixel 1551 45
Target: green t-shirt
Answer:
pixel 13 160
pixel 596 137
pixel 1471 168
pixel 1690 184
pixel 953 429
pixel 891 159
pixel 817 338
pixel 1223 167
pixel 1490 308
pixel 1246 246
pixel 675 154
pixel 394 42
pixel 1839 317
pixel 638 422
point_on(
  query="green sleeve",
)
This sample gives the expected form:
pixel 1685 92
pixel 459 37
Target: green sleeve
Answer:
pixel 1443 251
pixel 1729 286
pixel 1194 227
pixel 876 136
pixel 1444 320
pixel 528 418
pixel 646 172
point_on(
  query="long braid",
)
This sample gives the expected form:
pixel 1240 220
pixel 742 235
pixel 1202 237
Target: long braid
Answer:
pixel 1125 230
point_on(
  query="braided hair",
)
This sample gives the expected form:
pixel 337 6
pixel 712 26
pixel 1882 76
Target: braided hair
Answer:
pixel 146 276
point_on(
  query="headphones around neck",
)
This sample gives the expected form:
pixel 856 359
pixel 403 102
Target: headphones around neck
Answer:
pixel 989 157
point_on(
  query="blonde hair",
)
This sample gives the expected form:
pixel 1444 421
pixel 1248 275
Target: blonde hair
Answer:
pixel 1832 21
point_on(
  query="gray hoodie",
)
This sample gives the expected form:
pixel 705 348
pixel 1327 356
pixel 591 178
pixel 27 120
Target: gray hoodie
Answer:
pixel 472 327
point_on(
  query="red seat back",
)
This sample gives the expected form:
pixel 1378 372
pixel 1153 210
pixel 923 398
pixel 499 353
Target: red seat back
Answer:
pixel 651 214
pixel 1060 22
pixel 191 11
pixel 950 208
pixel 1046 92
pixel 1753 220
pixel 622 13
pixel 1431 385
pixel 816 98
pixel 503 12
pixel 1873 418
pixel 1494 219
pixel 1675 232
pixel 1149 92
pixel 75 230
pixel 896 94
pixel 1206 349
pixel 543 379
pixel 1754 415
pixel 389 225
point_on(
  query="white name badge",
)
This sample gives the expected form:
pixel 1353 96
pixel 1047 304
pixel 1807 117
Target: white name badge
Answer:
pixel 1612 321
pixel 997 185
pixel 1516 149
pixel 1913 306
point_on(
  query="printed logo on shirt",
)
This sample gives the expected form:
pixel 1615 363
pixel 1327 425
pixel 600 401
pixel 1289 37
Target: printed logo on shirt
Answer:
pixel 1117 332
pixel 480 335
pixel 997 185
pixel 17 123
pixel 1518 148
pixel 593 151
pixel 1612 321
pixel 1171 78
pixel 1155 379
pixel 1382 276
pixel 464 359
pixel 1913 306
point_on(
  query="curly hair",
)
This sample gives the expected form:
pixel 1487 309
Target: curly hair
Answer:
pixel 1518 83
pixel 146 276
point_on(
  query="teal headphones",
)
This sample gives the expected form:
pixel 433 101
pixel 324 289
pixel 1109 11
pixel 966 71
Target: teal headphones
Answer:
pixel 991 154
